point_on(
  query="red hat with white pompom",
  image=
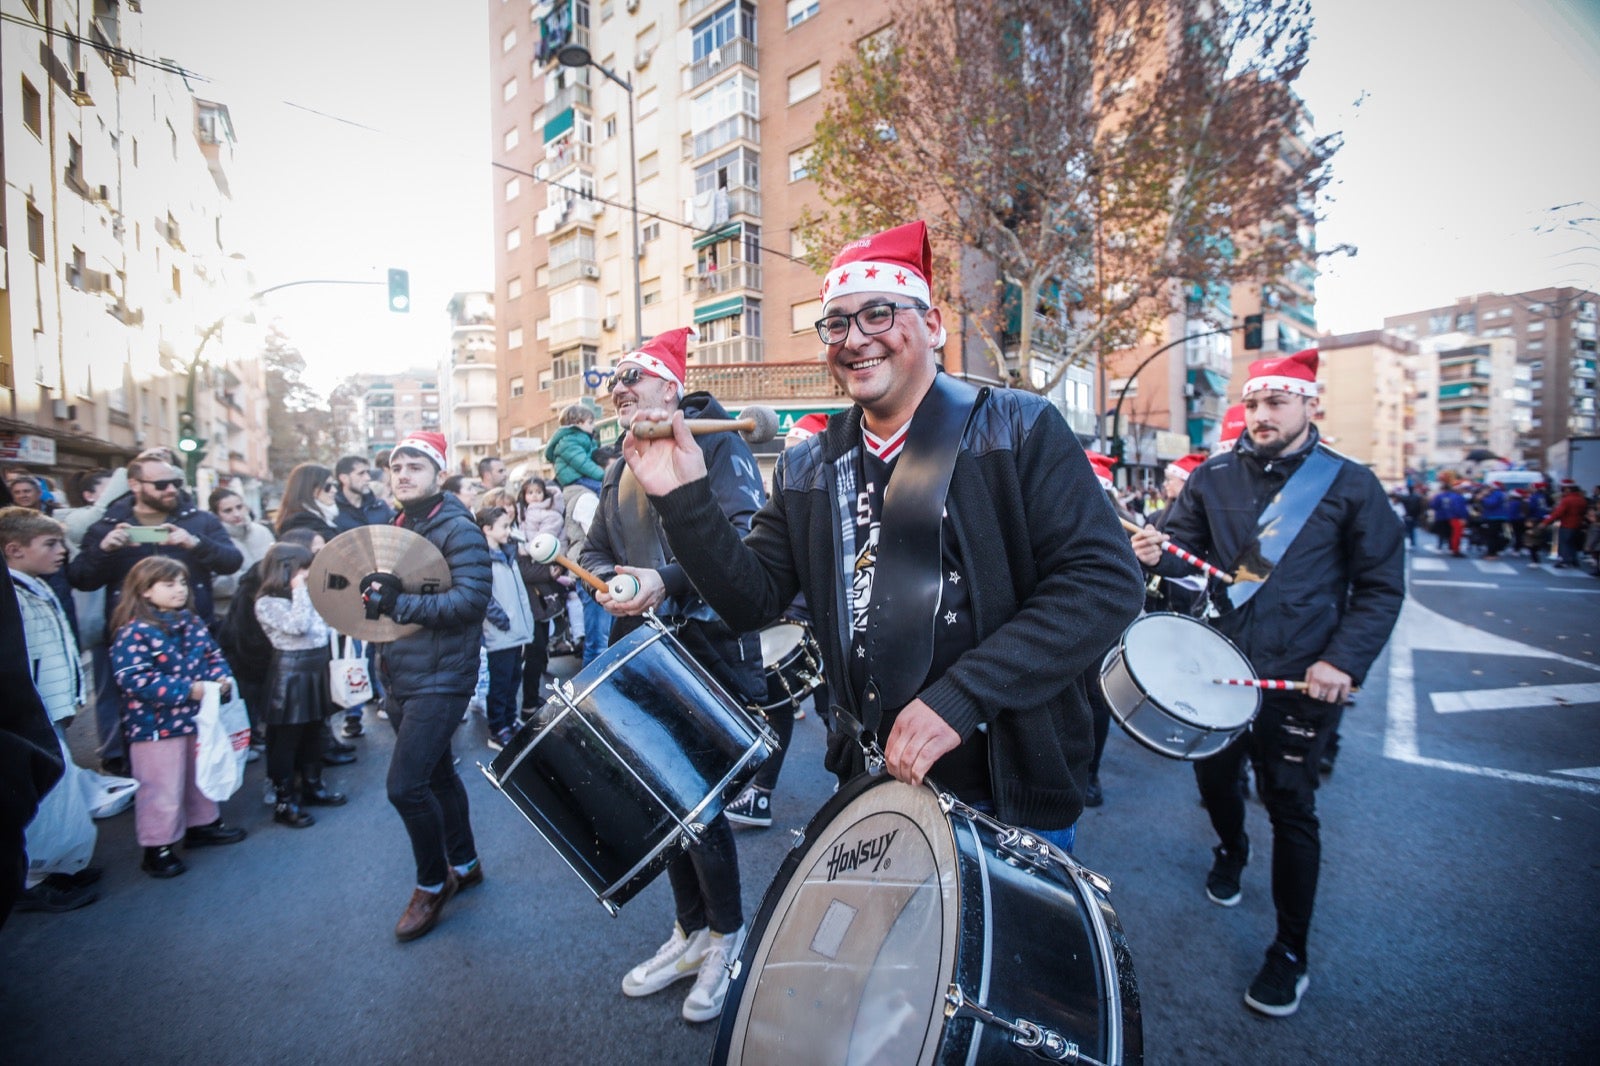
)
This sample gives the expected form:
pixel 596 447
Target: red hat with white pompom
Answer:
pixel 430 446
pixel 665 356
pixel 1295 374
pixel 1182 468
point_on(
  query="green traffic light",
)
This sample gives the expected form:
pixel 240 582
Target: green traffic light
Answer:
pixel 399 290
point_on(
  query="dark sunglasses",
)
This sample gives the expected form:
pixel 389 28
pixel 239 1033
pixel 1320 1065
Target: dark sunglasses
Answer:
pixel 631 376
pixel 164 484
pixel 330 486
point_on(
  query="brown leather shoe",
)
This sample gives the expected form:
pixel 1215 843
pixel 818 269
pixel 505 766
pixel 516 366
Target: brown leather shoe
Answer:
pixel 471 879
pixel 422 913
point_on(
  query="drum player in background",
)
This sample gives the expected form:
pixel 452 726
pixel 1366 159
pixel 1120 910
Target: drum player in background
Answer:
pixel 626 538
pixel 428 677
pixel 1332 592
pixel 1015 576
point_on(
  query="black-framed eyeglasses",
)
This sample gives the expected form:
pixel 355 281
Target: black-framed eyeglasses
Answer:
pixel 870 320
pixel 164 484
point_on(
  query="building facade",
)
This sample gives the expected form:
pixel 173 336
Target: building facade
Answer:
pixel 469 379
pixel 371 412
pixel 1367 409
pixel 119 282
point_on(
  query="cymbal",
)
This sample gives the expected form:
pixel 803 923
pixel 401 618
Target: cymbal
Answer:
pixel 336 573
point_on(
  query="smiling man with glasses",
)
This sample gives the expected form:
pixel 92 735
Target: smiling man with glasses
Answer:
pixel 958 616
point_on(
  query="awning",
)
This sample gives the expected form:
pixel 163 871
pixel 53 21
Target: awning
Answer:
pixel 726 233
pixel 733 305
pixel 1214 383
pixel 559 125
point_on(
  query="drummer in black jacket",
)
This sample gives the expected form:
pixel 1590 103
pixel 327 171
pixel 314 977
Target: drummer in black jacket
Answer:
pixel 626 538
pixel 429 676
pixel 1317 527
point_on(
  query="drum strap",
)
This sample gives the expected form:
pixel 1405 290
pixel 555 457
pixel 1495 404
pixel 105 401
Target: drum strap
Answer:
pixel 1281 523
pixel 909 572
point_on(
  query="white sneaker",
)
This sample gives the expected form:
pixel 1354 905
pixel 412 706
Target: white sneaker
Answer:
pixel 678 958
pixel 711 986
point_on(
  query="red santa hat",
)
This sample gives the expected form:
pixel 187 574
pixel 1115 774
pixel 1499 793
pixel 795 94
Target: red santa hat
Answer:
pixel 1182 468
pixel 664 356
pixel 1295 374
pixel 1102 467
pixel 430 446
pixel 1232 428
pixel 897 261
pixel 809 426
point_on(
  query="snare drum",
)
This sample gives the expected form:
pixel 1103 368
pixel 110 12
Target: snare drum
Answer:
pixel 793 661
pixel 629 761
pixel 906 928
pixel 1159 681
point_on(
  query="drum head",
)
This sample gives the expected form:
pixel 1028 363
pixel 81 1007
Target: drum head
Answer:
pixel 778 641
pixel 1175 658
pixel 851 958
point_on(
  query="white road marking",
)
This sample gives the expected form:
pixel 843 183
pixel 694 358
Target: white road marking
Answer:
pixel 1429 565
pixel 1504 699
pixel 1420 628
pixel 1581 592
pixel 1591 772
pixel 1489 567
pixel 1457 584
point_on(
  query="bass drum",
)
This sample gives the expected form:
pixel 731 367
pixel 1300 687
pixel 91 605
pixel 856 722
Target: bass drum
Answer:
pixel 906 928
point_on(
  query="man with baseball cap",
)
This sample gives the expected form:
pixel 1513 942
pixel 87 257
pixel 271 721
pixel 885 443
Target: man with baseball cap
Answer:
pixel 957 616
pixel 429 676
pixel 1325 554
pixel 626 538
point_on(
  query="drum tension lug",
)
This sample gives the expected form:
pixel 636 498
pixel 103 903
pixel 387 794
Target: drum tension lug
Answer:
pixel 1032 1037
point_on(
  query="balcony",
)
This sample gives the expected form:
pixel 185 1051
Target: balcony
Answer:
pixel 571 96
pixel 743 200
pixel 735 383
pixel 731 278
pixel 1207 407
pixel 572 331
pixel 737 51
pixel 1583 368
pixel 566 390
pixel 575 270
pixel 562 155
pixel 726 132
pixel 733 350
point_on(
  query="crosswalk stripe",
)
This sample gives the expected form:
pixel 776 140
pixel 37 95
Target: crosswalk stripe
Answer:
pixel 1492 567
pixel 1592 773
pixel 1501 699
pixel 1429 565
pixel 1457 584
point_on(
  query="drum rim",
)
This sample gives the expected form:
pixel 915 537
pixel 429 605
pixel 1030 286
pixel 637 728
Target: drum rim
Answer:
pixel 1146 692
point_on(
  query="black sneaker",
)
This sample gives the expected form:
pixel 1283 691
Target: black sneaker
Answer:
pixel 1278 987
pixel 1093 795
pixel 213 835
pixel 752 807
pixel 56 897
pixel 352 727
pixel 1222 883
pixel 162 862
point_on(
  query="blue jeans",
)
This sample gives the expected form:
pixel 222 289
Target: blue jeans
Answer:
pixel 424 786
pixel 1061 838
pixel 596 626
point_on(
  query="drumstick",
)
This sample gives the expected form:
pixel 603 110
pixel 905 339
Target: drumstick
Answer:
pixel 546 549
pixel 758 424
pixel 1267 683
pixel 1193 560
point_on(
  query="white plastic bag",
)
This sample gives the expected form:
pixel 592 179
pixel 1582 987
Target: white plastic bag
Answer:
pixel 61 837
pixel 106 796
pixel 222 743
pixel 349 683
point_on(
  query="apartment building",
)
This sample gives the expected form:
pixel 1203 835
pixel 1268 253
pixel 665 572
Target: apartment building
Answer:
pixel 468 379
pixel 1553 334
pixel 118 278
pixel 371 412
pixel 1368 400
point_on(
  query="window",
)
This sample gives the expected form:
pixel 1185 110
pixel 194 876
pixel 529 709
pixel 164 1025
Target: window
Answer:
pixel 514 288
pixel 800 164
pixel 732 169
pixel 650 166
pixel 725 100
pixel 513 189
pixel 800 10
pixel 651 294
pixel 649 232
pixel 877 46
pixel 512 138
pixel 546 378
pixel 35 233
pixel 797 244
pixel 509 41
pixel 1536 327
pixel 647 102
pixel 608 128
pixel 607 9
pixel 516 386
pixel 32 109
pixel 801 316
pixel 75 272
pixel 729 21
pixel 513 238
pixel 805 84
pixel 513 338
pixel 508 91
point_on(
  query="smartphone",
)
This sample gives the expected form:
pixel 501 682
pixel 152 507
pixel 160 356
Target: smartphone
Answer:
pixel 148 534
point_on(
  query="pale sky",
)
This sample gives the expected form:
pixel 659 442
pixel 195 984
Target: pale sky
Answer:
pixel 1465 122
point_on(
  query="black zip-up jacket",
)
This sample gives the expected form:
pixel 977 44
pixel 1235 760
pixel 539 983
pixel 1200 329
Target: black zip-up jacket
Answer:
pixel 372 512
pixel 1336 593
pixel 216 553
pixel 1053 583
pixel 442 658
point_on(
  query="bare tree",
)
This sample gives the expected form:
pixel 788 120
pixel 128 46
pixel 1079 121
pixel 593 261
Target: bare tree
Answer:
pixel 299 424
pixel 1084 154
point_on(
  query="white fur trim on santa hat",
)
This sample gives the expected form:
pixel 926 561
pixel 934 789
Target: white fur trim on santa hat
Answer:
pixel 868 276
pixel 415 443
pixel 1281 383
pixel 651 365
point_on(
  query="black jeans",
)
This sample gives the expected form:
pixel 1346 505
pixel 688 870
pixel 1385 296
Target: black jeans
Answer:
pixel 535 663
pixel 505 673
pixel 424 786
pixel 294 747
pixel 705 882
pixel 1285 743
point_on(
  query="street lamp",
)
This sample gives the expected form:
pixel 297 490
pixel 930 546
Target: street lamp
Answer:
pixel 1116 414
pixel 577 56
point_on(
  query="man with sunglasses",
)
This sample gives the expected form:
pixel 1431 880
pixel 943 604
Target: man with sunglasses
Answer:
pixel 958 617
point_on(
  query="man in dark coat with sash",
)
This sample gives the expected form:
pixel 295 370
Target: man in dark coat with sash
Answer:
pixel 962 566
pixel 1318 560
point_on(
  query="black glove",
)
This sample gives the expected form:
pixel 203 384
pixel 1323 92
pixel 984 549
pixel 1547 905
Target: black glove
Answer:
pixel 379 593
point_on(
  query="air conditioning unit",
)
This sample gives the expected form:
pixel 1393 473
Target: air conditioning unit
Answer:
pixel 80 89
pixel 591 272
pixel 609 322
pixel 642 58
pixel 66 412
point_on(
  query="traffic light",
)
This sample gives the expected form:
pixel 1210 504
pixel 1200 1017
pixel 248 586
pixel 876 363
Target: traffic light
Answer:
pixel 190 442
pixel 1252 333
pixel 399 290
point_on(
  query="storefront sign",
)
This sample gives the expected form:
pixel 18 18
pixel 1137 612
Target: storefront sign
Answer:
pixel 27 448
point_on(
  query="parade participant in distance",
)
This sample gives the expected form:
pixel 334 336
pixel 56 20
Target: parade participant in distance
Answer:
pixel 492 473
pixel 1323 614
pixel 626 538
pixel 428 678
pixel 1567 518
pixel 1029 562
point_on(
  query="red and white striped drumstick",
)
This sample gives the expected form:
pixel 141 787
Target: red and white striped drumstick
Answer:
pixel 1271 684
pixel 1193 560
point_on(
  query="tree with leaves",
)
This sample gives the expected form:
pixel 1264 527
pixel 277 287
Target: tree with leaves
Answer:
pixel 298 420
pixel 1093 159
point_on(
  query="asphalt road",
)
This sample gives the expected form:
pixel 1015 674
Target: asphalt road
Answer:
pixel 1455 920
